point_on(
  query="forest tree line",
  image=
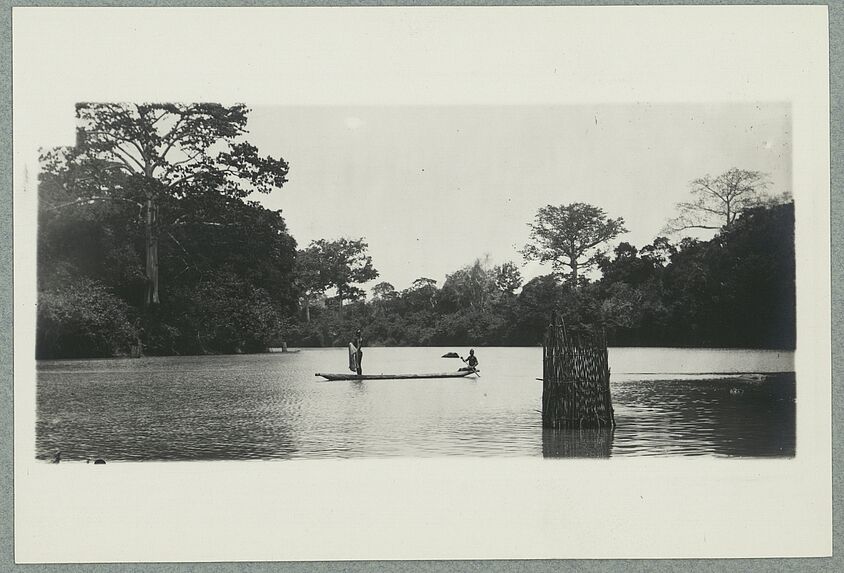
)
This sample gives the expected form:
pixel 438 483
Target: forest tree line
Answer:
pixel 733 291
pixel 148 236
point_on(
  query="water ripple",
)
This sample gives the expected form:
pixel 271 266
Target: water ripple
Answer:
pixel 269 407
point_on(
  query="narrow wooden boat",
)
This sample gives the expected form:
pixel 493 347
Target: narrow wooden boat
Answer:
pixel 461 374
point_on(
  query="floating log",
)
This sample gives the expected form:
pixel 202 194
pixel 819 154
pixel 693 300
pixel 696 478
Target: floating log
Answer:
pixel 575 380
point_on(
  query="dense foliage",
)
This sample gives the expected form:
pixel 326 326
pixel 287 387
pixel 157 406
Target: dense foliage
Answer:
pixel 177 164
pixel 146 236
pixel 148 239
pixel 339 264
pixel 736 290
pixel 229 287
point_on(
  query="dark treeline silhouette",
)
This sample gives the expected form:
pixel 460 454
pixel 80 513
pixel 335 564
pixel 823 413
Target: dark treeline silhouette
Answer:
pixel 146 235
pixel 733 291
pixel 233 288
pixel 228 288
pixel 148 239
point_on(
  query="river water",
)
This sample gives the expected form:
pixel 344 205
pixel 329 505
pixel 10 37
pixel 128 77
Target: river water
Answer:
pixel 668 402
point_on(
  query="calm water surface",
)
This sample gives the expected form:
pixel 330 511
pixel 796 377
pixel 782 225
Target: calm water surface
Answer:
pixel 667 402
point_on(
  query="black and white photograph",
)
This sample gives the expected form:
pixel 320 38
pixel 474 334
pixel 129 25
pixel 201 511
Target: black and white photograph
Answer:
pixel 195 287
pixel 328 279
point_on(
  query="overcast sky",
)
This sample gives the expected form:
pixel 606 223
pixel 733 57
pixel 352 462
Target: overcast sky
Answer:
pixel 433 188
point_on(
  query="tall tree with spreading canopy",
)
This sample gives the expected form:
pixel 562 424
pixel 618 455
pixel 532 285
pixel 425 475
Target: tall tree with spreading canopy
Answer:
pixel 310 278
pixel 384 294
pixel 421 295
pixel 507 277
pixel 717 202
pixel 471 287
pixel 343 264
pixel 180 164
pixel 569 237
pixel 384 291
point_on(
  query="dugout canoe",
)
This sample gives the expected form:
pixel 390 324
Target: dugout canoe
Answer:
pixel 461 374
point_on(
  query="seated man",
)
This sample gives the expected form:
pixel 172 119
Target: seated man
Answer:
pixel 471 361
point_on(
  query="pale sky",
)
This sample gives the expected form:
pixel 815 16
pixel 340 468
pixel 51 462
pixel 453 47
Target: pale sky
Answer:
pixel 432 188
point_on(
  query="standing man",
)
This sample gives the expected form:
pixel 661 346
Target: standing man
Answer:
pixel 358 343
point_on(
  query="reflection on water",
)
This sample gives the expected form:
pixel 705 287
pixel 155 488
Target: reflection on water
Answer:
pixel 272 407
pixel 577 443
pixel 728 417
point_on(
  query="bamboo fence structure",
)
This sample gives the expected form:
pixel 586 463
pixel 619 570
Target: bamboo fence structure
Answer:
pixel 575 379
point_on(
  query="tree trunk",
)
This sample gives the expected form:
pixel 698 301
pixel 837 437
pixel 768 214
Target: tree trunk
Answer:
pixel 151 295
pixel 340 299
pixel 307 309
pixel 573 264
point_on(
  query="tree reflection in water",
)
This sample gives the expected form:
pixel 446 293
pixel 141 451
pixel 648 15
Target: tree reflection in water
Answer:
pixel 577 443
